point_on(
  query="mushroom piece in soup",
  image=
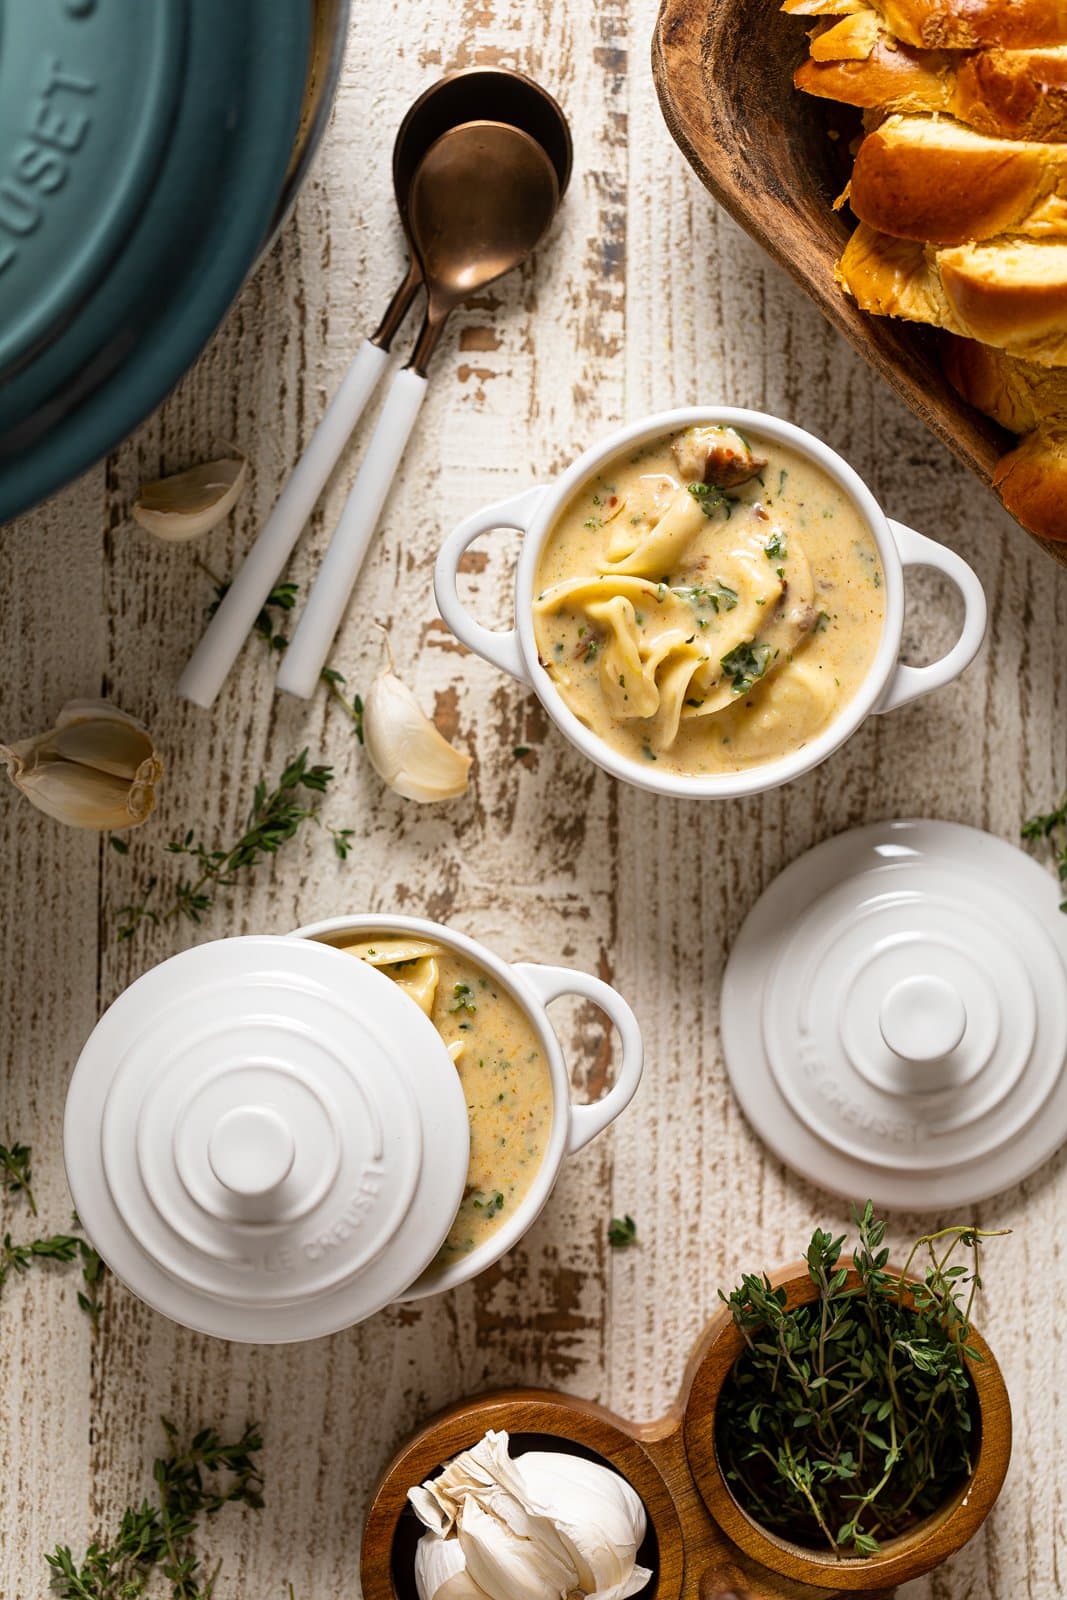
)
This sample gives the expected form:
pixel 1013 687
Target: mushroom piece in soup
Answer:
pixel 709 602
pixel 501 1065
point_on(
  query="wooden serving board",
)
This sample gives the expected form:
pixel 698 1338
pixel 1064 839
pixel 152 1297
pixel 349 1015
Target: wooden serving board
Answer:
pixel 700 1545
pixel 776 159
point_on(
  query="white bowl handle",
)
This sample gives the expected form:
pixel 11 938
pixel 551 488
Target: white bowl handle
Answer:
pixel 907 683
pixel 551 983
pixel 502 649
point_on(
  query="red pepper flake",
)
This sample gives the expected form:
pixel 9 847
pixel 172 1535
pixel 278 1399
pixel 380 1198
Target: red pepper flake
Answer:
pixel 614 500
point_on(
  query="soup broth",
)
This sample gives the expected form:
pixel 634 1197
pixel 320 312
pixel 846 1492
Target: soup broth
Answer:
pixel 501 1065
pixel 708 602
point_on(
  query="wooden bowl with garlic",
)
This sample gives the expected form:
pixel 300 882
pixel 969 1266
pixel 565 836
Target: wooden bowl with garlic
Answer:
pixel 431 1530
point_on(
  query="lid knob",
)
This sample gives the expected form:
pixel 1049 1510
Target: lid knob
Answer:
pixel 923 1018
pixel 251 1150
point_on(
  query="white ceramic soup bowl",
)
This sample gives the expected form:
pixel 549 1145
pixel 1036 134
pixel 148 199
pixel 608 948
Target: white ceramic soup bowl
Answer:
pixel 533 987
pixel 888 684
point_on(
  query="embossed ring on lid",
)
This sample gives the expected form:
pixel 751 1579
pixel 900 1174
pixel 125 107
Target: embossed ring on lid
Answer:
pixel 266 1139
pixel 894 1015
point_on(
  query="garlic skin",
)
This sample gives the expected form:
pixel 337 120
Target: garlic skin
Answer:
pixel 97 768
pixel 404 747
pixel 547 1526
pixel 189 504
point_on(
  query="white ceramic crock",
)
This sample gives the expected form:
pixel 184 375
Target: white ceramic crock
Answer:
pixel 888 684
pixel 267 1140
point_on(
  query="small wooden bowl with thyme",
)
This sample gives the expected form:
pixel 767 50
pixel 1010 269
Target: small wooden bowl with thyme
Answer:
pixel 846 1425
pixel 840 1429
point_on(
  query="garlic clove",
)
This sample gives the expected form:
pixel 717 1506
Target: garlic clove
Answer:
pixel 441 1571
pixel 405 749
pixel 506 1565
pixel 191 503
pixel 598 1515
pixel 97 768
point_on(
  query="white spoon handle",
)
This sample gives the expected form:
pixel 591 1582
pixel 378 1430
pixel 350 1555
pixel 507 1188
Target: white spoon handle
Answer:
pixel 310 644
pixel 230 626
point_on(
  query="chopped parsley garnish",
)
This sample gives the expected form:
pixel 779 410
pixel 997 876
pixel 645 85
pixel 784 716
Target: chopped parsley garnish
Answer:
pixel 775 547
pixel 719 596
pixel 464 998
pixel 822 621
pixel 490 1204
pixel 711 498
pixel 745 665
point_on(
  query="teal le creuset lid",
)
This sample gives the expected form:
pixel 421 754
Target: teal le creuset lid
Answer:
pixel 143 149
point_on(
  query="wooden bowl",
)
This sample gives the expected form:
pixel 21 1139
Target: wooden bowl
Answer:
pixel 724 73
pixel 701 1545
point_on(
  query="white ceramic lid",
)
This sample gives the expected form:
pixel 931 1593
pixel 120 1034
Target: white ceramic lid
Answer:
pixel 894 1015
pixel 266 1139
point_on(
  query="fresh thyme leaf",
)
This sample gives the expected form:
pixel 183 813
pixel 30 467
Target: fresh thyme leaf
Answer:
pixel 847 1420
pixel 521 750
pixel 276 816
pixel 745 664
pixel 15 1174
pixel 1052 825
pixel 342 841
pixel 190 1484
pixel 118 844
pixel 622 1232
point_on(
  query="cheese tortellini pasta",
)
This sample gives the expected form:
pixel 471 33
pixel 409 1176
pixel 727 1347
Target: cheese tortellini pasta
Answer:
pixel 708 605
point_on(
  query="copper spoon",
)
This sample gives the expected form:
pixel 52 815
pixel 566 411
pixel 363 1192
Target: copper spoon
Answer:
pixel 474 92
pixel 480 202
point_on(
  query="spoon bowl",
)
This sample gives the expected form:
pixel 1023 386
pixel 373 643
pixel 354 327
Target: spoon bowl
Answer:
pixel 481 199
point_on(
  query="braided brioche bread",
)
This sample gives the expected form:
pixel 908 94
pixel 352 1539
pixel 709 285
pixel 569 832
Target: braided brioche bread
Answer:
pixel 954 24
pixel 960 191
pixel 1007 292
pixel 934 180
pixel 1016 94
pixel 1028 400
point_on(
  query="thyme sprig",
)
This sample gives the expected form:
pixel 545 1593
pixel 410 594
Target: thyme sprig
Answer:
pixel 15 1174
pixel 193 1482
pixel 18 1256
pixel 848 1420
pixel 276 816
pixel 267 626
pixel 1052 825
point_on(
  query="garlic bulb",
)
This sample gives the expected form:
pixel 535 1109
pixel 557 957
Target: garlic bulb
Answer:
pixel 96 768
pixel 190 503
pixel 547 1526
pixel 404 747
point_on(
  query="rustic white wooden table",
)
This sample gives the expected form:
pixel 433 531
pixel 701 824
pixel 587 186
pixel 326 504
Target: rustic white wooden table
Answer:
pixel 644 298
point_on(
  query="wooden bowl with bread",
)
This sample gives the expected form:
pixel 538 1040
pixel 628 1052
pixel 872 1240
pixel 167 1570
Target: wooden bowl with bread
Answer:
pixel 940 251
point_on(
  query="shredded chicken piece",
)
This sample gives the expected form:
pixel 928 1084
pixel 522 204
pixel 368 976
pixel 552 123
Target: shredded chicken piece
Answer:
pixel 717 456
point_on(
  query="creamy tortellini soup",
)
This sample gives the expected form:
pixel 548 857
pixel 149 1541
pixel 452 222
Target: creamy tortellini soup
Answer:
pixel 501 1066
pixel 708 602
